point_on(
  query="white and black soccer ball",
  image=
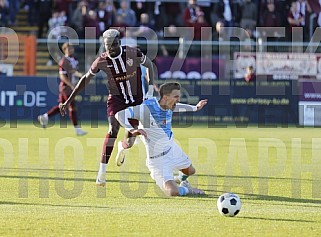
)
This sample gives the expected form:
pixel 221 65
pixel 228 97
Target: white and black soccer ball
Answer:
pixel 229 204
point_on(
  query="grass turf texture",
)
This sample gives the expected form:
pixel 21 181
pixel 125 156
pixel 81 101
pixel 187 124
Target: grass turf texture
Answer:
pixel 48 187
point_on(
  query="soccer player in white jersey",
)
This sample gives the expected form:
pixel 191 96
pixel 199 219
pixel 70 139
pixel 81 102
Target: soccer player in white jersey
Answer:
pixel 163 154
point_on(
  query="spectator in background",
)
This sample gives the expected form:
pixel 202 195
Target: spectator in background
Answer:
pixel 200 34
pixel 63 6
pixel 157 13
pixel 139 7
pixel 78 17
pixel 128 39
pixel 144 27
pixel 305 10
pixel 171 33
pixel 44 11
pixel 92 21
pixel 194 17
pixel 295 18
pixel 190 13
pixel 249 15
pixel 220 31
pixel 129 16
pixel 54 33
pixel 102 17
pixel 249 74
pixel 92 4
pixel 269 19
pixel 279 9
pixel 13 11
pixel 120 25
pixel 206 7
pixel 32 12
pixel 111 10
pixel 229 13
pixel 172 11
pixel 4 13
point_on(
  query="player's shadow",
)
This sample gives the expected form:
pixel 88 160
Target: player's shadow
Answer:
pixel 273 219
pixel 59 174
pixel 253 177
pixel 34 170
pixel 219 188
pixel 280 199
pixel 51 205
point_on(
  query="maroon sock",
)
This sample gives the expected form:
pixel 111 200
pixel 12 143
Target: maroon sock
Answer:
pixel 53 111
pixel 73 117
pixel 108 147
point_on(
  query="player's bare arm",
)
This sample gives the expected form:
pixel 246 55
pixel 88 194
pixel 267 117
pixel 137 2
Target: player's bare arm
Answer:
pixel 78 74
pixel 151 69
pixel 65 79
pixel 201 104
pixel 151 75
pixel 78 88
pixel 138 132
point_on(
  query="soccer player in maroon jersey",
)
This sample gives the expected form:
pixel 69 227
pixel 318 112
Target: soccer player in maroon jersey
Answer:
pixel 69 75
pixel 122 67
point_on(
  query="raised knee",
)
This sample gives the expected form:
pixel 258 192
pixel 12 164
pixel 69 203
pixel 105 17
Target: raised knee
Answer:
pixel 192 171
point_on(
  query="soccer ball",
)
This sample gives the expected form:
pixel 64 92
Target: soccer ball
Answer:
pixel 229 204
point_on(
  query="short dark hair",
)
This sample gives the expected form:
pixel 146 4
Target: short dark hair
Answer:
pixel 168 87
pixel 65 46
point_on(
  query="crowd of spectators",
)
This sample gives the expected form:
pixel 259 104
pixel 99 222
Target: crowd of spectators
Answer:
pixel 102 14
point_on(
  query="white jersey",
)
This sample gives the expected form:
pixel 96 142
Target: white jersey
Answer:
pixel 157 123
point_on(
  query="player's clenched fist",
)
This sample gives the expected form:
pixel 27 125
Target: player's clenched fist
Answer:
pixel 62 108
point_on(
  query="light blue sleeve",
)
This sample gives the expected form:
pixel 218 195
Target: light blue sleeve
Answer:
pixel 129 113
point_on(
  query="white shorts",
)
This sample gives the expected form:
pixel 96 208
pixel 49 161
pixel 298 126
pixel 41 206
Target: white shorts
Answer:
pixel 162 168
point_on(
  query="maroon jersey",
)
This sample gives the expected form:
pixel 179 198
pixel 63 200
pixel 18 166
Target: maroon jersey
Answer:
pixel 123 77
pixel 67 66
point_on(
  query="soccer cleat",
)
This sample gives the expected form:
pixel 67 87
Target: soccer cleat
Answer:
pixel 191 190
pixel 43 120
pixel 101 180
pixel 80 132
pixel 120 157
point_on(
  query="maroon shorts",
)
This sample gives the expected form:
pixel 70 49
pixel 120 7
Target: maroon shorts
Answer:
pixel 115 104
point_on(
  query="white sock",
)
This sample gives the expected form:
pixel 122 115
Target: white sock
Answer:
pixel 77 128
pixel 102 168
pixel 182 176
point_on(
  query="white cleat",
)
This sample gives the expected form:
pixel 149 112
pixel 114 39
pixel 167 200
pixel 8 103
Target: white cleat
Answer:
pixel 101 180
pixel 191 190
pixel 80 132
pixel 43 120
pixel 120 157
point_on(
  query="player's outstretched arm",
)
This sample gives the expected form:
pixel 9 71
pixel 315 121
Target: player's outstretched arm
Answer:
pixel 130 113
pixel 201 104
pixel 180 107
pixel 84 80
pixel 65 79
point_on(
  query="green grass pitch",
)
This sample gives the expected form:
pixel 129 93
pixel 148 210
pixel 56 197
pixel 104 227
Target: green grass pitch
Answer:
pixel 47 179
